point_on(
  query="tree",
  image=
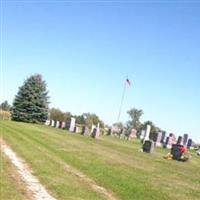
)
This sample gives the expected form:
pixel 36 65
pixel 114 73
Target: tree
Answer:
pixel 68 115
pixel 135 115
pixel 31 102
pixel 118 125
pixel 57 114
pixel 90 118
pixel 5 106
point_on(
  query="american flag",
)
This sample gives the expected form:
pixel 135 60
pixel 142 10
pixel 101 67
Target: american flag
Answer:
pixel 128 81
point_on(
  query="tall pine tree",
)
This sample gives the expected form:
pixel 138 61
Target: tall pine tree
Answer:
pixel 31 102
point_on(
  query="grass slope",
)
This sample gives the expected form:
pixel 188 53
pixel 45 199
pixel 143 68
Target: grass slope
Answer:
pixel 113 163
pixel 11 187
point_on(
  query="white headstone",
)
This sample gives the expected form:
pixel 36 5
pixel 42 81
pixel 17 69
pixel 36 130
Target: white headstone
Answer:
pixel 142 134
pixel 47 122
pixel 52 123
pixel 57 124
pixel 72 124
pixel 147 133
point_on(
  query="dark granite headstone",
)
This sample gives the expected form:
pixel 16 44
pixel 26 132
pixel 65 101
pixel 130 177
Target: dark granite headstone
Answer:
pixel 148 146
pixel 185 139
pixel 180 140
pixel 175 151
pixel 60 124
pixel 109 131
pixel 166 142
pixel 70 124
pixel 94 133
pixel 189 143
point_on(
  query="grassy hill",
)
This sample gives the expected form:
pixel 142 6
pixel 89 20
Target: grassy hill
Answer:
pixel 115 164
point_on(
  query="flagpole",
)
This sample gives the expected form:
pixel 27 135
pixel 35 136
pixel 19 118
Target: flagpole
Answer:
pixel 122 100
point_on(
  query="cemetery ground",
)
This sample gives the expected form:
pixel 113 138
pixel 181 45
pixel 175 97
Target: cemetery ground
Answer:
pixel 114 164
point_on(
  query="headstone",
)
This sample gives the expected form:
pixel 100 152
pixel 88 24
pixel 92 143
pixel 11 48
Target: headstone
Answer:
pixel 158 137
pixel 170 142
pixel 185 139
pixel 166 142
pixel 95 134
pixel 63 125
pixel 142 135
pixel 92 128
pixel 189 143
pixel 175 151
pixel 180 140
pixel 163 136
pixel 109 131
pixel 147 133
pixel 85 130
pixel 76 129
pixel 47 122
pixel 98 128
pixel 148 146
pixel 133 133
pixel 70 124
pixel 60 124
pixel 52 123
pixel 57 124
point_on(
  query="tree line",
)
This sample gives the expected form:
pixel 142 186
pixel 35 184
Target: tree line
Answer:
pixel 31 104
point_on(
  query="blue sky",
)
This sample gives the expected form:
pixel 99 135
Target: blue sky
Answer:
pixel 84 50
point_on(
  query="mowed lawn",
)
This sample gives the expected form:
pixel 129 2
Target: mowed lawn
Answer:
pixel 115 164
pixel 11 185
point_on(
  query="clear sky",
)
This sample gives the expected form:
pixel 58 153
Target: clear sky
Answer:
pixel 85 49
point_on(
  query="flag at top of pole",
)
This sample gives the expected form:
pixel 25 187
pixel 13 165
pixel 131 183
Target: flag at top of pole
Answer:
pixel 128 81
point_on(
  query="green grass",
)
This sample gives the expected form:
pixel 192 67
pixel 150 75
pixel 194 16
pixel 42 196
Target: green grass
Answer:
pixel 11 187
pixel 118 165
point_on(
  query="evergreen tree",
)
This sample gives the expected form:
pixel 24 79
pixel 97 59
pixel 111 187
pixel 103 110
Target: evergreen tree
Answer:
pixel 31 102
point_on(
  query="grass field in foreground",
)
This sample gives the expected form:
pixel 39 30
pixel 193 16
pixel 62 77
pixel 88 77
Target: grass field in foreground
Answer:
pixel 11 186
pixel 118 165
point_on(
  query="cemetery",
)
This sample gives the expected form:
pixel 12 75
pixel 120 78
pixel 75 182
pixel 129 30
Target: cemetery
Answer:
pixel 178 147
pixel 110 161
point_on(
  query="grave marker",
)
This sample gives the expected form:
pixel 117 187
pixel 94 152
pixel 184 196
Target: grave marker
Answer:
pixel 148 146
pixel 163 136
pixel 70 124
pixel 180 140
pixel 95 133
pixel 85 130
pixel 147 133
pixel 185 139
pixel 57 124
pixel 189 143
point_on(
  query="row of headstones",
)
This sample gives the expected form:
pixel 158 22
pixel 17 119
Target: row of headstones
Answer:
pixel 70 125
pixel 167 142
pixel 160 139
pixel 121 131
